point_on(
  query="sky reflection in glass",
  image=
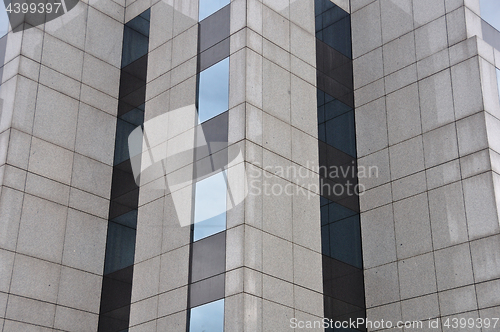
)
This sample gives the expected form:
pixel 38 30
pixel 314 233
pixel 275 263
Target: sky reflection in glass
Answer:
pixel 213 92
pixel 210 206
pixel 208 317
pixel 208 7
pixel 4 21
pixel 490 12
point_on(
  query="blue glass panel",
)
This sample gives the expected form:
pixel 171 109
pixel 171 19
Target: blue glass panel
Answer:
pixel 146 15
pixel 207 318
pixel 324 214
pixel 208 7
pixel 213 92
pixel 341 134
pixel 490 12
pixel 335 108
pixel 319 23
pixel 322 132
pixel 120 247
pixel 345 235
pixel 139 24
pixel 123 130
pixel 338 36
pixel 321 97
pixel 128 219
pixel 338 212
pixel 332 15
pixel 205 228
pixel 325 240
pixel 321 114
pixel 4 21
pixel 135 45
pixel 135 117
pixel 328 98
pixel 210 206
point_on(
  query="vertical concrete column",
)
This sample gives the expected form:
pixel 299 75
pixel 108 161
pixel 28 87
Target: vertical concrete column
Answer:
pixel 426 99
pixel 59 91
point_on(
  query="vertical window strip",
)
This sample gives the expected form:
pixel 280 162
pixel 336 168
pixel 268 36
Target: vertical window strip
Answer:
pixel 208 236
pixel 114 314
pixel 340 225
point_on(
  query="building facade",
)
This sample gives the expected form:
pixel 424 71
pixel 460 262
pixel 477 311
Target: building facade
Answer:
pixel 251 165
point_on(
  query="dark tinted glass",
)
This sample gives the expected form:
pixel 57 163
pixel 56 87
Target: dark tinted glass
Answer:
pixel 345 235
pixel 120 247
pixel 140 23
pixel 207 290
pixel 207 318
pixel 135 45
pixel 341 133
pixel 343 282
pixel 135 117
pixel 116 293
pixel 208 257
pixel 215 28
pixel 333 26
pixel 123 130
pixel 337 212
pixel 213 54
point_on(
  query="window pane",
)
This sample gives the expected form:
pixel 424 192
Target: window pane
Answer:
pixel 135 45
pixel 207 290
pixel 4 21
pixel 120 247
pixel 208 7
pixel 210 206
pixel 208 317
pixel 490 12
pixel 215 29
pixel 123 130
pixel 208 257
pixel 213 92
pixel 345 241
pixel 341 134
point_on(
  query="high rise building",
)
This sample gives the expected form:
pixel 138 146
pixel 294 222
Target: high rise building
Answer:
pixel 250 165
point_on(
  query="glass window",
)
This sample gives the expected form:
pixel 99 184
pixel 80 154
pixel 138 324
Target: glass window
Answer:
pixel 4 21
pixel 341 134
pixel 210 206
pixel 207 318
pixel 490 12
pixel 207 290
pixel 120 247
pixel 123 131
pixel 215 28
pixel 345 241
pixel 213 94
pixel 208 7
pixel 135 45
pixel 208 257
